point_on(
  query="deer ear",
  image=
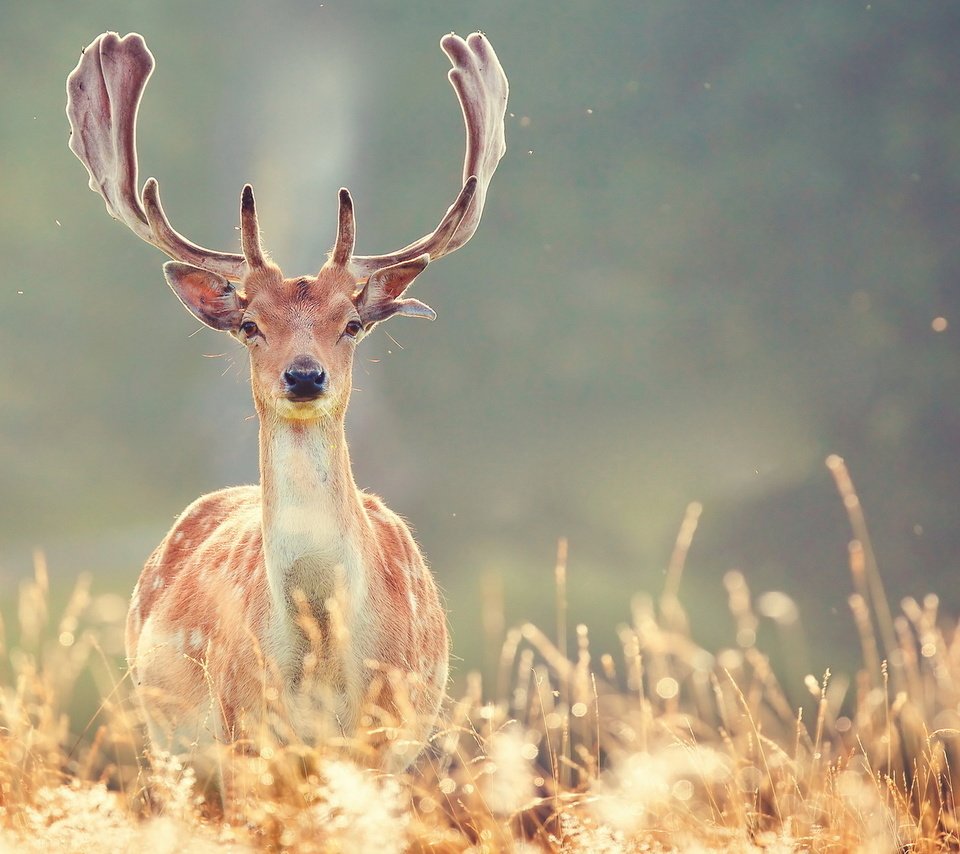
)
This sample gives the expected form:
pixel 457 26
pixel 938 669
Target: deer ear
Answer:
pixel 210 298
pixel 380 296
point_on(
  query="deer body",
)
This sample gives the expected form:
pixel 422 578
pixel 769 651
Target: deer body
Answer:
pixel 301 609
pixel 219 589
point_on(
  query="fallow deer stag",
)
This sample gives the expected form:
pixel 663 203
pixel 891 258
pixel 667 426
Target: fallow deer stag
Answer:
pixel 292 608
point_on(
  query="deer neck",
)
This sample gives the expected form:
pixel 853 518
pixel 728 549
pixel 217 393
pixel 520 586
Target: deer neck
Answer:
pixel 313 517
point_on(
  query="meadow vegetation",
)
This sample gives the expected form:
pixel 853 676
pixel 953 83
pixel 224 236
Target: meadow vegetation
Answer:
pixel 666 746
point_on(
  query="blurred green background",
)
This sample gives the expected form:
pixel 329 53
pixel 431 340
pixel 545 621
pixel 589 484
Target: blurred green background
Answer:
pixel 714 254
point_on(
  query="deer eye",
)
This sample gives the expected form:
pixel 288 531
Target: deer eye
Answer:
pixel 353 328
pixel 249 328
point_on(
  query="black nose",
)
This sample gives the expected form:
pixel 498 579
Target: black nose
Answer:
pixel 305 384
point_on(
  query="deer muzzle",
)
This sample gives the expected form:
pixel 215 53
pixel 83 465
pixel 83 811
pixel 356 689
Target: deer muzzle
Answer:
pixel 304 380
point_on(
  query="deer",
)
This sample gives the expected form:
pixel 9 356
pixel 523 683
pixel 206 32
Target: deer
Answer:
pixel 300 609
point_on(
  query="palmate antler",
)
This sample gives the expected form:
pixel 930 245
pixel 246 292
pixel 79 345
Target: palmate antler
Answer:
pixel 103 97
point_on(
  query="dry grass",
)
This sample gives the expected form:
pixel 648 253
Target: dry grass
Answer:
pixel 669 747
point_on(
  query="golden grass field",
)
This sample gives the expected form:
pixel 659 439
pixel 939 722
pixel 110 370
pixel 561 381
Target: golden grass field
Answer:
pixel 668 747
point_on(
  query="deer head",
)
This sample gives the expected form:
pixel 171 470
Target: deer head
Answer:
pixel 300 332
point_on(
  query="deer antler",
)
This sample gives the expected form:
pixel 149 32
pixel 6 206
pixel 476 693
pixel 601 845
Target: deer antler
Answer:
pixel 481 87
pixel 103 97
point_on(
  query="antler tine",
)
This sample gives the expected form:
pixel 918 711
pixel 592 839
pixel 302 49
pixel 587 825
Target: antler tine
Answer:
pixel 103 98
pixel 250 229
pixel 230 265
pixel 346 231
pixel 481 86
